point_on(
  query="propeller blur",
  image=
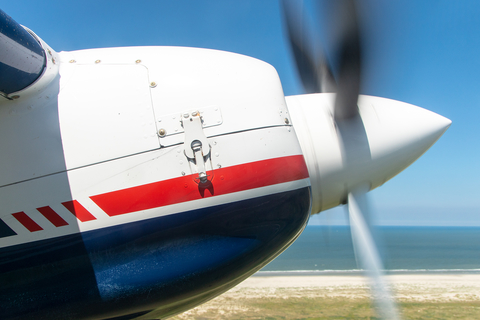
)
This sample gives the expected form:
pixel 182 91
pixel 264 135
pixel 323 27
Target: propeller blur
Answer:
pixel 148 180
pixel 354 130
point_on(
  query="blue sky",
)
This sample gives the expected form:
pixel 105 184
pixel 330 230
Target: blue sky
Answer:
pixel 422 52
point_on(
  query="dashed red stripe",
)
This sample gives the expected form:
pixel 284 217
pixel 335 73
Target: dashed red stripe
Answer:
pixel 52 216
pixel 226 180
pixel 27 222
pixel 79 211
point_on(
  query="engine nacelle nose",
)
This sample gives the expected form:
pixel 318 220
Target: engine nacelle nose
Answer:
pixel 397 134
pixel 22 58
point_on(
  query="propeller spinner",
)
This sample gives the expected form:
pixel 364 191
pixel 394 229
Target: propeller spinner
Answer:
pixel 352 143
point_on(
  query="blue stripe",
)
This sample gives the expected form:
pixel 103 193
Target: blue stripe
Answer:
pixel 11 29
pixel 167 263
pixel 6 231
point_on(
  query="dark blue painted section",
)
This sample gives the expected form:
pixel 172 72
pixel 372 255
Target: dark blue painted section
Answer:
pixel 5 231
pixel 198 255
pixel 22 59
pixel 166 263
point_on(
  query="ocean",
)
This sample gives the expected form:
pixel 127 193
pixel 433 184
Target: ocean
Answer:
pixel 329 249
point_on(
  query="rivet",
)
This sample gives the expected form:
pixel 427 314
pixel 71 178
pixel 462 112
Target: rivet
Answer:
pixel 194 113
pixel 185 115
pixel 214 143
pixel 153 84
pixel 186 185
pixel 138 61
pixel 216 154
pixel 72 61
pixel 162 132
pixel 221 177
pixel 183 173
pixel 97 61
pixel 287 121
pixel 15 97
pixel 219 166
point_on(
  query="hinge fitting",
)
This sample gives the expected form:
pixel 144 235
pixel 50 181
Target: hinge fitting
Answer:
pixel 196 146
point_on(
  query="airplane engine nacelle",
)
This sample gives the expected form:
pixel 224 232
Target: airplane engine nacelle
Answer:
pixel 150 178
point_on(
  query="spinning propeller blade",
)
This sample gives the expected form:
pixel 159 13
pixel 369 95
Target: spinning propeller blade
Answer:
pixel 313 69
pixel 315 74
pixel 367 254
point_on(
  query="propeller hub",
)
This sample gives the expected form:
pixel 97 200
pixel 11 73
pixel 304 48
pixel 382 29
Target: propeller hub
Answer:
pixel 369 149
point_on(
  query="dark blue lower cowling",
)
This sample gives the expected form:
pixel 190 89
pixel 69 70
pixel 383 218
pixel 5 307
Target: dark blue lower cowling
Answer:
pixel 166 264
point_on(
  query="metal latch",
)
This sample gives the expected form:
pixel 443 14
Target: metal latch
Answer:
pixel 197 148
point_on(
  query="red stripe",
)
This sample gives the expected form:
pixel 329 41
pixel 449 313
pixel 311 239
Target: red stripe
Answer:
pixel 225 180
pixel 79 211
pixel 27 222
pixel 52 216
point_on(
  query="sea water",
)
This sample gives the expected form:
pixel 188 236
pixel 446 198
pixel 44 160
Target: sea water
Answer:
pixel 329 249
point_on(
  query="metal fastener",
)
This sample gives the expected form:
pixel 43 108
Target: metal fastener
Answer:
pixel 138 61
pixel 97 61
pixel 14 97
pixel 153 84
pixel 162 132
pixel 287 121
pixel 72 61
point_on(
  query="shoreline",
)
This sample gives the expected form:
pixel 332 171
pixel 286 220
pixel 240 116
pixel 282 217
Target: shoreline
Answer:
pixel 414 282
pixel 358 272
pixel 294 295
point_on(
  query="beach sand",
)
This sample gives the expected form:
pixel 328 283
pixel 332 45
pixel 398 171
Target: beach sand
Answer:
pixel 419 296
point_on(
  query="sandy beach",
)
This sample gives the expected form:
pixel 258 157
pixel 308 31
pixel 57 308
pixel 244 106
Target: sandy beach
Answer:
pixel 419 296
